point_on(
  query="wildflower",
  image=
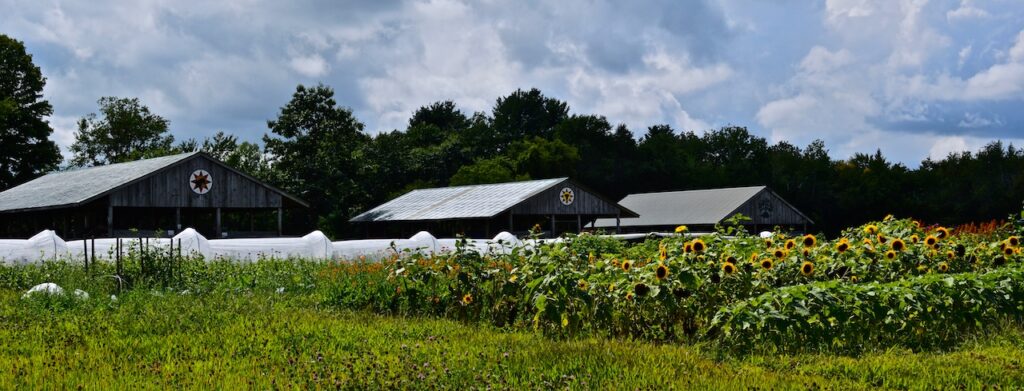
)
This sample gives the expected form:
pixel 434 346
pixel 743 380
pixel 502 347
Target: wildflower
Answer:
pixel 682 228
pixel 790 244
pixel 842 246
pixel 767 264
pixel 890 254
pixel 914 239
pixel 626 265
pixel 871 229
pixel 809 240
pixel 699 246
pixel 942 232
pixel 898 245
pixel 807 268
pixel 661 272
pixel 728 268
pixel 467 299
pixel 931 240
pixel 943 267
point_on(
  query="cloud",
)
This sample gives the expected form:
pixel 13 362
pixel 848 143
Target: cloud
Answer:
pixel 967 10
pixel 310 66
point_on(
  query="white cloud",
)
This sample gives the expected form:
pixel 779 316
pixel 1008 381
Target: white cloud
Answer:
pixel 967 10
pixel 310 66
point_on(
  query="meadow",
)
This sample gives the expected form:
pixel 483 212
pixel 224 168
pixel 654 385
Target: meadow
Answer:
pixel 890 304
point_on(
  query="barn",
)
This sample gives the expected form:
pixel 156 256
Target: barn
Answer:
pixel 480 211
pixel 700 210
pixel 145 197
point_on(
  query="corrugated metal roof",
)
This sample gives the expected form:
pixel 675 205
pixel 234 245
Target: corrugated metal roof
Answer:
pixel 75 186
pixel 476 201
pixel 683 207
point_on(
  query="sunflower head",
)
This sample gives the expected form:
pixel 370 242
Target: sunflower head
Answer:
pixel 807 268
pixel 768 243
pixel 807 252
pixel 931 240
pixel 730 259
pixel 582 284
pixel 729 268
pixel 871 229
pixel 699 246
pixel 779 253
pixel 950 254
pixel 641 289
pixel 888 217
pixel 682 228
pixel 914 239
pixel 767 264
pixel 842 246
pixel 854 279
pixel 1013 241
pixel 626 265
pixel 890 254
pixel 790 244
pixel 688 247
pixel 661 272
pixel 809 240
pixel 1008 251
pixel 881 238
pixel 662 252
pixel 942 232
pixel 467 299
pixel 943 267
pixel 629 296
pixel 898 245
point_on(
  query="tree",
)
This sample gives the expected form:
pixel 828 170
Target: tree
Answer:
pixel 25 149
pixel 494 170
pixel 125 130
pixel 319 156
pixel 526 114
pixel 245 156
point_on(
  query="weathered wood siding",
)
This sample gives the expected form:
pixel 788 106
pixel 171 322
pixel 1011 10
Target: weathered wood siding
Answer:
pixel 547 203
pixel 766 208
pixel 170 188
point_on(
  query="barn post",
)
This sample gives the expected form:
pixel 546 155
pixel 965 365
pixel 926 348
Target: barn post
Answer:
pixel 177 219
pixel 553 227
pixel 280 232
pixel 218 224
pixel 579 224
pixel 618 227
pixel 110 221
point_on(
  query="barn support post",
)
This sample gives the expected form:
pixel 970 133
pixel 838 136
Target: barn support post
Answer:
pixel 280 232
pixel 217 231
pixel 553 227
pixel 579 224
pixel 618 223
pixel 177 219
pixel 110 221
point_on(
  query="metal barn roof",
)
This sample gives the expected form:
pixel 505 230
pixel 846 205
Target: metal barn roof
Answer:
pixel 683 207
pixel 77 186
pixel 475 201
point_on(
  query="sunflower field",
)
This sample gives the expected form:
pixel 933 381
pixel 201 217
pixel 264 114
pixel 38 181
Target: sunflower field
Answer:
pixel 892 282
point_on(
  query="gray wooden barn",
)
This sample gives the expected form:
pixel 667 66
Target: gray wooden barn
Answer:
pixel 700 210
pixel 142 197
pixel 480 211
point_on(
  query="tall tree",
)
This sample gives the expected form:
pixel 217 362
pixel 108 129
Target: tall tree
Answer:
pixel 124 131
pixel 526 114
pixel 26 151
pixel 319 154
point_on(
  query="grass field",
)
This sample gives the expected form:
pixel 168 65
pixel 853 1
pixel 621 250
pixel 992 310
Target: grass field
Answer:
pixel 266 340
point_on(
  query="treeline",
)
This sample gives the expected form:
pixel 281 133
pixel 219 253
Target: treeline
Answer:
pixel 317 150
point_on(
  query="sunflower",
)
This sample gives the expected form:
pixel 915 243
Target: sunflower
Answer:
pixel 950 254
pixel 662 252
pixel 626 265
pixel 914 239
pixel 881 238
pixel 629 296
pixel 931 240
pixel 513 278
pixel 779 253
pixel 467 299
pixel 1013 241
pixel 1008 251
pixel 730 259
pixel 871 229
pixel 682 228
pixel 768 243
pixel 898 245
pixel 582 284
pixel 842 246
pixel 767 264
pixel 699 246
pixel 890 254
pixel 853 279
pixel 943 267
pixel 641 289
pixel 942 232
pixel 790 244
pixel 807 252
pixel 688 247
pixel 807 268
pixel 661 272
pixel 888 217
pixel 728 268
pixel 753 258
pixel 809 240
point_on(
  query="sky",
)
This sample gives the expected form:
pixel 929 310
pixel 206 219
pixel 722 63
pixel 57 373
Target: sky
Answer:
pixel 913 78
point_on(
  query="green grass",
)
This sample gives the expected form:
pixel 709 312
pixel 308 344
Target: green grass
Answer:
pixel 260 339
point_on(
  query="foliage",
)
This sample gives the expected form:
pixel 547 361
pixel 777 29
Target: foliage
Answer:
pixel 124 131
pixel 25 149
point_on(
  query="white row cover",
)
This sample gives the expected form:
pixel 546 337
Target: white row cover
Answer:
pixel 48 246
